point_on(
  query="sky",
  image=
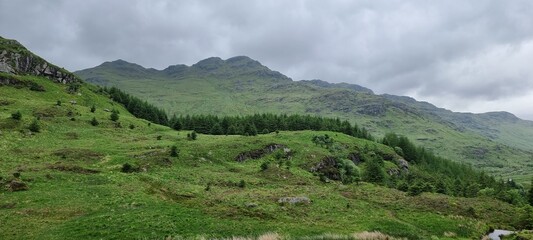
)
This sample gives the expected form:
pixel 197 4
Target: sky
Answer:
pixel 463 55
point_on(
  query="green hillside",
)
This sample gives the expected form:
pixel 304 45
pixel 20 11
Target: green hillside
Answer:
pixel 77 165
pixel 496 142
pixel 77 190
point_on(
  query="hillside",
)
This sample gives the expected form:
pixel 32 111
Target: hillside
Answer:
pixel 70 178
pixel 496 142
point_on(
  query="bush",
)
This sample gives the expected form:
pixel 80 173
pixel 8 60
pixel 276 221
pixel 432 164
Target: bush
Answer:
pixel 132 126
pixel 114 116
pixel 242 184
pixel 129 168
pixel 34 126
pixel 192 135
pixel 174 152
pixel 94 122
pixel 264 166
pixel 58 103
pixel 16 115
pixel 93 109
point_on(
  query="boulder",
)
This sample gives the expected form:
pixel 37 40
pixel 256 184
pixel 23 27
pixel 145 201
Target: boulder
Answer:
pixel 294 200
pixel 403 164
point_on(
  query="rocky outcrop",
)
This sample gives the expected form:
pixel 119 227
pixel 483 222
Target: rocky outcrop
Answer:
pixel 259 153
pixel 16 59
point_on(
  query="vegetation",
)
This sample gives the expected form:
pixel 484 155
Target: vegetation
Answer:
pixel 34 126
pixel 16 115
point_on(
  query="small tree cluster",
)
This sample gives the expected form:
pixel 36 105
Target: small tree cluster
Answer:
pixel 323 141
pixel 192 136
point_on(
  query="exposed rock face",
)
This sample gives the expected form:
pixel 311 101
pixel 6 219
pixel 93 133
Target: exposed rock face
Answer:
pixel 403 165
pixel 328 167
pixel 258 153
pixel 16 59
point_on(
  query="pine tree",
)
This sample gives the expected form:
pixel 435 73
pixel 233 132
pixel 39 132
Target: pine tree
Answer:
pixel 374 173
pixel 114 116
pixel 216 130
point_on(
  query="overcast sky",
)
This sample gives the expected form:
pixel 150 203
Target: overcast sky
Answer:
pixel 463 55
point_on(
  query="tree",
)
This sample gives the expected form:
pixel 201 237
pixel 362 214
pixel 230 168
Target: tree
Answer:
pixel 374 173
pixel 530 194
pixel 16 115
pixel 114 116
pixel 250 129
pixel 34 126
pixel 177 125
pixel 94 122
pixel 216 129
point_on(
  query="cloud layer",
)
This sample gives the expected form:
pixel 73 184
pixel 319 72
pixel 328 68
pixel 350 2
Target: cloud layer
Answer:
pixel 463 55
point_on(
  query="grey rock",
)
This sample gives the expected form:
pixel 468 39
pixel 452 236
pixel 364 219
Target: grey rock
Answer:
pixel 403 164
pixel 294 200
pixel 251 205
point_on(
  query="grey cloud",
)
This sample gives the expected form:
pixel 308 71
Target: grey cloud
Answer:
pixel 470 51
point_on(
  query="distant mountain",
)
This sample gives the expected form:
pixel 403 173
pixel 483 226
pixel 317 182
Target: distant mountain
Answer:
pixel 498 142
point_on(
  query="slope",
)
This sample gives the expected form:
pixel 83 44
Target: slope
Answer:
pixel 496 142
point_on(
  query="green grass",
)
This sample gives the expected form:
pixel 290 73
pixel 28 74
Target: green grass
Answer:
pixel 169 197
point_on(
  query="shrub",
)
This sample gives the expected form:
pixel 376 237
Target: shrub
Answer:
pixel 93 109
pixel 264 166
pixel 114 116
pixel 34 126
pixel 16 115
pixel 192 135
pixel 94 122
pixel 129 168
pixel 174 152
pixel 132 126
pixel 58 103
pixel 242 184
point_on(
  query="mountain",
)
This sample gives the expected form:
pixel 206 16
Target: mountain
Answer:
pixel 497 142
pixel 77 165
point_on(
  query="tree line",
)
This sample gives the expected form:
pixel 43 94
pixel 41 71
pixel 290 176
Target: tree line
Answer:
pixel 137 107
pixel 437 174
pixel 252 125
